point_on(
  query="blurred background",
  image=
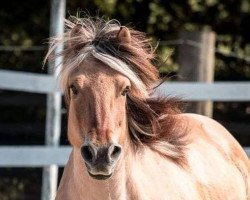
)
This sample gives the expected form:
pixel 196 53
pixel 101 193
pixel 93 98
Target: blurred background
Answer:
pixel 222 26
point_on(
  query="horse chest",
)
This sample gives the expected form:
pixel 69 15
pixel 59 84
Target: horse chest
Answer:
pixel 166 183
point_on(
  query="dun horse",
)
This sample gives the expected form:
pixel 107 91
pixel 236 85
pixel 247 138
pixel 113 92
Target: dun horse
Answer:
pixel 128 145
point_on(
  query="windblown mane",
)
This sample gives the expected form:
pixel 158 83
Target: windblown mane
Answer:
pixel 152 121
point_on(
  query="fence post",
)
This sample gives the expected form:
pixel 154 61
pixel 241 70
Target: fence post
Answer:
pixel 53 113
pixel 196 57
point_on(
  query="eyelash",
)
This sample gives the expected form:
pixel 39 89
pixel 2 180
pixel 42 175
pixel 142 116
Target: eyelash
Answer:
pixel 125 91
pixel 73 89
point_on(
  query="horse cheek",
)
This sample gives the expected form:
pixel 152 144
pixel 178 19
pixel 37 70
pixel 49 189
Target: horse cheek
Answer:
pixel 74 133
pixel 121 126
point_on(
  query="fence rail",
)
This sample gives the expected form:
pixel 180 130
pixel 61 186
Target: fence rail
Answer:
pixel 33 156
pixel 27 82
pixel 190 91
pixel 216 91
pixel 39 156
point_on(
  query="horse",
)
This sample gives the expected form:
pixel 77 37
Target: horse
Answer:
pixel 127 143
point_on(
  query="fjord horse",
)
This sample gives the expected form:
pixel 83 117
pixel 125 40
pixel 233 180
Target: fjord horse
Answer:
pixel 128 145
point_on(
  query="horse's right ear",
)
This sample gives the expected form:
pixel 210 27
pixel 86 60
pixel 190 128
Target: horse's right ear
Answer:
pixel 124 35
pixel 75 32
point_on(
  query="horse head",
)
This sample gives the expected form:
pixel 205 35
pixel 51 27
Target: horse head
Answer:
pixel 107 75
pixel 97 120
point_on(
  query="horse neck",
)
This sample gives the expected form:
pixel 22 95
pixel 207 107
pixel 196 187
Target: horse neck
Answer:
pixel 89 188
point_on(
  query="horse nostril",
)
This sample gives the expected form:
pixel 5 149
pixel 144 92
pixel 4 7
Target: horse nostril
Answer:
pixel 94 155
pixel 88 153
pixel 114 152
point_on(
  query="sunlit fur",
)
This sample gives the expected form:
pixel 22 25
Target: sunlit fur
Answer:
pixel 166 155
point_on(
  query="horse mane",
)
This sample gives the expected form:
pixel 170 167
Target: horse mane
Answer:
pixel 152 121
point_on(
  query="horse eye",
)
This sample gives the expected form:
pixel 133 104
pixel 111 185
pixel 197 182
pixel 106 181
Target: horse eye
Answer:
pixel 74 89
pixel 125 91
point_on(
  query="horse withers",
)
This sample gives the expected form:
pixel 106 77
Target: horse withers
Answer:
pixel 128 144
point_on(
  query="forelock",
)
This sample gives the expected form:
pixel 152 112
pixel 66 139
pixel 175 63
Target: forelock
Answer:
pixel 97 38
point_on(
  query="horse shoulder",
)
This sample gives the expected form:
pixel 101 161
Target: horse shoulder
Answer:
pixel 215 157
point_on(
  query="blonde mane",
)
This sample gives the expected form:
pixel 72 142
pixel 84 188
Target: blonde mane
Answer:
pixel 151 121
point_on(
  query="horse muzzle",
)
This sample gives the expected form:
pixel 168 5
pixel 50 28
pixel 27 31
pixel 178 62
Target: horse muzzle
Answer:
pixel 100 160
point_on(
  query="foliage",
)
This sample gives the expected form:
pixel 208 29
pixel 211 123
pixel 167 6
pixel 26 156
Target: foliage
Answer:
pixel 28 25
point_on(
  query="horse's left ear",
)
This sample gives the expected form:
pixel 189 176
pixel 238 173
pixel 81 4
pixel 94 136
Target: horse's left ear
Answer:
pixel 124 35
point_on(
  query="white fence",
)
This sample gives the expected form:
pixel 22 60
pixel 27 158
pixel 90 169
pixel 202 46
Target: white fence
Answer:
pixel 38 156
